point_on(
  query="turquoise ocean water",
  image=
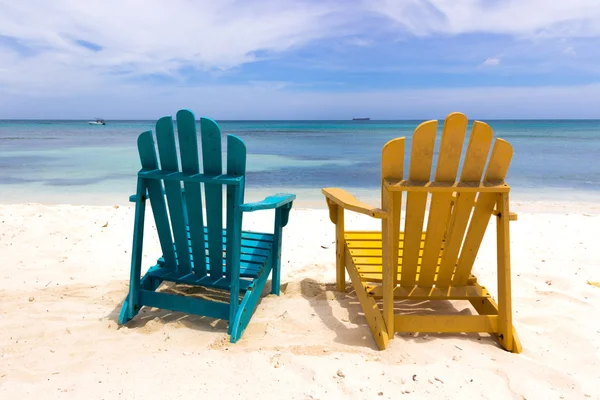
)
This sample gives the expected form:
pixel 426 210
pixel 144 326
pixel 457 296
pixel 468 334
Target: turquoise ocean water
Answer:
pixel 73 162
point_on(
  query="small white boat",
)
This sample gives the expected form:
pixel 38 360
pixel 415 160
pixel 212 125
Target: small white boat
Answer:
pixel 98 121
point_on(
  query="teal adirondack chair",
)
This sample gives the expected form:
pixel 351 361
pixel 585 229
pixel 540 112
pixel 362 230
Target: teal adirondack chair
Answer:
pixel 202 252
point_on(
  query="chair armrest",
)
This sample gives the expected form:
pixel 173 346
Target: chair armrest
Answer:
pixel 348 202
pixel 269 203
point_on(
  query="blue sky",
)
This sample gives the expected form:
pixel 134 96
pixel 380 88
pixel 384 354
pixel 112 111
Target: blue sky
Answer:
pixel 280 59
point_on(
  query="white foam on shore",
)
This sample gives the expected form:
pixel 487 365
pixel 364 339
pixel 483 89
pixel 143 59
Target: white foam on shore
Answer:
pixel 522 200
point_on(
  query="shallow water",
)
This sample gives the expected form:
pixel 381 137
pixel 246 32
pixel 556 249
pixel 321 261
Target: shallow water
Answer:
pixel 73 162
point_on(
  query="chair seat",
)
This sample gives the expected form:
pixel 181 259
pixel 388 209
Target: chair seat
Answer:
pixel 365 248
pixel 255 254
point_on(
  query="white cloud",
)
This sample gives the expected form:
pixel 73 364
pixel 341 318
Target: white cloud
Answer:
pixel 150 37
pixel 491 62
pixel 359 42
pixel 527 18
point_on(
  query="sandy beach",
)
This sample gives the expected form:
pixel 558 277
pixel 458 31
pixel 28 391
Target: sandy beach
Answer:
pixel 65 274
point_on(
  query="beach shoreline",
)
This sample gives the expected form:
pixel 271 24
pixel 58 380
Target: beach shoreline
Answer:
pixel 526 200
pixel 65 275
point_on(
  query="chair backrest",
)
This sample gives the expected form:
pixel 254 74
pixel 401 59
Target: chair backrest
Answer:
pixel 175 194
pixel 441 252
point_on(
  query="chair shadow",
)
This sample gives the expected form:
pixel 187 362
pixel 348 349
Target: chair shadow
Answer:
pixel 192 321
pixel 361 336
pixel 316 294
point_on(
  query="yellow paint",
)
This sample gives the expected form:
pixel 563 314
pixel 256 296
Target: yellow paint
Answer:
pixel 340 251
pixel 477 152
pixel 370 235
pixel 516 347
pixel 505 328
pixel 421 153
pixel 499 161
pixel 392 159
pixel 436 264
pixel 473 291
pixel 333 208
pixel 496 171
pixel 439 214
pixel 453 137
pixel 390 254
pixel 349 202
pixel 447 323
pixel 596 284
pixel 362 235
pixel 475 158
pixel 421 157
pixel 409 186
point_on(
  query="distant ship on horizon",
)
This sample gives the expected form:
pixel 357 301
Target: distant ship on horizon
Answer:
pixel 361 119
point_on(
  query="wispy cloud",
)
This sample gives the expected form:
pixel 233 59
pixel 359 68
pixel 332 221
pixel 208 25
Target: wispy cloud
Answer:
pixel 527 18
pixel 569 50
pixel 491 62
pixel 360 42
pixel 160 37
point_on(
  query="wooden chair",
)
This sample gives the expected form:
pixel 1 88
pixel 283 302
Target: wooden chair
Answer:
pixel 431 258
pixel 196 249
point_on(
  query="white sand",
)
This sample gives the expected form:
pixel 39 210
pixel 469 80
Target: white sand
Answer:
pixel 64 277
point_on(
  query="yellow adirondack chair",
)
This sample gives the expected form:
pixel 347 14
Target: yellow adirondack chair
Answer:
pixel 433 263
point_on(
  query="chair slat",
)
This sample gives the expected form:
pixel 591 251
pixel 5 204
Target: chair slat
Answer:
pixel 236 165
pixel 167 152
pixel 496 171
pixel 211 157
pixel 453 137
pixel 188 148
pixel 148 159
pixel 421 157
pixel 392 166
pixel 475 158
pixel 392 159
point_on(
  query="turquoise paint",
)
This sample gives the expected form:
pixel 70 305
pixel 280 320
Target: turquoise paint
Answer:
pixel 165 138
pixel 231 259
pixel 211 157
pixel 188 147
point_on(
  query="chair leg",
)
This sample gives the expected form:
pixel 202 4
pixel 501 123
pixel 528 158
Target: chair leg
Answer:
pixel 370 309
pixel 506 332
pixel 246 309
pixel 340 252
pixel 390 240
pixel 276 255
pixel 131 304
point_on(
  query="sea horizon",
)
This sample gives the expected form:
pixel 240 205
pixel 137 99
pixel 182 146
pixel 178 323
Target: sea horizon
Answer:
pixel 293 120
